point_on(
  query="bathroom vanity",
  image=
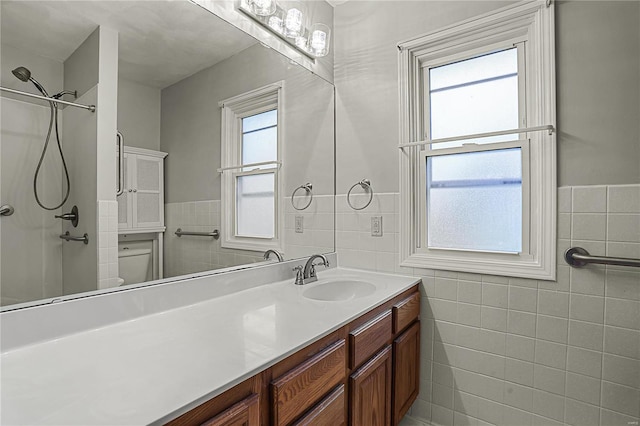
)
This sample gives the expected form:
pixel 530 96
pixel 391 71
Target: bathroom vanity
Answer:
pixel 365 373
pixel 244 347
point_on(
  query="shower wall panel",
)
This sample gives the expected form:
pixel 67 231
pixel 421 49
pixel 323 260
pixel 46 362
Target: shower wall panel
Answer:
pixel 31 252
pixel 79 260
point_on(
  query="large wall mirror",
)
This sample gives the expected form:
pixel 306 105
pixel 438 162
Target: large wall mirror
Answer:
pixel 225 149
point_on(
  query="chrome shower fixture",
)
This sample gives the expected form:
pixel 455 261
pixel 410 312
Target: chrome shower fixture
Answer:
pixel 24 74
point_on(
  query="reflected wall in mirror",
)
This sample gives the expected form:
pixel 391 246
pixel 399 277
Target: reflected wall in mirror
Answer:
pixel 160 74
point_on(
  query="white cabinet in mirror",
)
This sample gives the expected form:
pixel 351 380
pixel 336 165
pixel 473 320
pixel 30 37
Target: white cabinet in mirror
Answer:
pixel 159 84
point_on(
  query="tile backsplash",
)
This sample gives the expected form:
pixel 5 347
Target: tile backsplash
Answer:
pixel 507 351
pixel 187 255
pixel 107 244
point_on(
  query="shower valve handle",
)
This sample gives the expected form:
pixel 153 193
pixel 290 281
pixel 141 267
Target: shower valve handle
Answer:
pixel 73 216
pixel 66 216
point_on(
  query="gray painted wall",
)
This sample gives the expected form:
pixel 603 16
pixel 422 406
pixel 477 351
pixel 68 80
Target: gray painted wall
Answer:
pixel 598 69
pixel 47 71
pixel 598 90
pixel 139 114
pixel 190 124
pixel 81 68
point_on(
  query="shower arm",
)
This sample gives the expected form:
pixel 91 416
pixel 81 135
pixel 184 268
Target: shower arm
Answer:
pixel 91 108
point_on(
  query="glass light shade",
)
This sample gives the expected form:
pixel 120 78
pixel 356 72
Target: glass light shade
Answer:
pixel 294 20
pixel 276 23
pixel 319 39
pixel 263 7
pixel 301 42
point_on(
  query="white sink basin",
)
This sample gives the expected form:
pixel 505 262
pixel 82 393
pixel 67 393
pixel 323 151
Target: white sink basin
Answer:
pixel 340 290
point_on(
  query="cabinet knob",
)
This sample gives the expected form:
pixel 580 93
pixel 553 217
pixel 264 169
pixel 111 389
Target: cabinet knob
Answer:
pixel 135 190
pixel 130 190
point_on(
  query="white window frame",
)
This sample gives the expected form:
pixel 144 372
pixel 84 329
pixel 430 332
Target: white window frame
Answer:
pixel 234 109
pixel 529 25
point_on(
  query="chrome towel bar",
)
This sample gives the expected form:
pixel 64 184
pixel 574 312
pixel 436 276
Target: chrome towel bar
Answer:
pixel 68 237
pixel 215 234
pixel 579 257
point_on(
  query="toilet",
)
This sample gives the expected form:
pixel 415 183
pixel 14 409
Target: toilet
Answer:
pixel 134 265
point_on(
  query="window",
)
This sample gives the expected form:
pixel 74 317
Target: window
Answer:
pixel 251 147
pixel 478 159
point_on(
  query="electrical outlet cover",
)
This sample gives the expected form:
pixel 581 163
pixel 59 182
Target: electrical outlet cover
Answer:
pixel 299 224
pixel 376 226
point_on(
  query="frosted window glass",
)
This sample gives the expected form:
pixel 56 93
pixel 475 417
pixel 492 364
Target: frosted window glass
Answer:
pixel 474 96
pixel 260 146
pixel 255 205
pixel 260 121
pixel 474 201
pixel 478 68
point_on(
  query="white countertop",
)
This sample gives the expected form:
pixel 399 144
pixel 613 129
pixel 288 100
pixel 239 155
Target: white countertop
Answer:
pixel 153 368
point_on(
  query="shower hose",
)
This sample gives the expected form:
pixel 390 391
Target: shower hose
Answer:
pixel 53 119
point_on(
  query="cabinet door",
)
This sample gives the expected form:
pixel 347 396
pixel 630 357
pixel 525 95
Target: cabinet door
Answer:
pixel 406 381
pixel 370 399
pixel 148 197
pixel 125 201
pixel 330 411
pixel 244 413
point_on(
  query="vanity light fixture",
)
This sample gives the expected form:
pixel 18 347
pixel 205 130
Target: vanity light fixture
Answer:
pixel 289 22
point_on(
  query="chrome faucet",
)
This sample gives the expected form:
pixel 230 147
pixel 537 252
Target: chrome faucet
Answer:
pixel 275 253
pixel 307 274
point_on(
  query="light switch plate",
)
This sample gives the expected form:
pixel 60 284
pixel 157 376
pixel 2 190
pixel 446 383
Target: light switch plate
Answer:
pixel 376 226
pixel 299 224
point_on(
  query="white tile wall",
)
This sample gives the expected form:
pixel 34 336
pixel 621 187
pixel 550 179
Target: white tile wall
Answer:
pixel 185 255
pixel 192 254
pixel 317 235
pixel 505 351
pixel 107 244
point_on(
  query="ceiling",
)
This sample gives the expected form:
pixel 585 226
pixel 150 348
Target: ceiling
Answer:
pixel 160 42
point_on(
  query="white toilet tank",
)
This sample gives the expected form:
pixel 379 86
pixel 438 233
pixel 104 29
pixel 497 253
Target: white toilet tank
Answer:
pixel 134 265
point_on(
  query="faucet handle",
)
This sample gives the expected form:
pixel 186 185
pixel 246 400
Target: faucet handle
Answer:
pixel 312 271
pixel 299 275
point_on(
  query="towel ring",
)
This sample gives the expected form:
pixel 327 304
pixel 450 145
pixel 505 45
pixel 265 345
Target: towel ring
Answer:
pixel 365 184
pixel 307 187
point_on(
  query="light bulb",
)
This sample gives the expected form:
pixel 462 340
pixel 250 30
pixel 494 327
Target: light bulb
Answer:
pixel 263 7
pixel 294 20
pixel 319 38
pixel 276 24
pixel 301 42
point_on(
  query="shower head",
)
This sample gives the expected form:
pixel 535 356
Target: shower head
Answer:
pixel 22 73
pixel 25 75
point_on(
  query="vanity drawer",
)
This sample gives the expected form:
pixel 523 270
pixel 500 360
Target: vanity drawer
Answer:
pixel 405 312
pixel 330 411
pixel 367 339
pixel 302 387
pixel 245 412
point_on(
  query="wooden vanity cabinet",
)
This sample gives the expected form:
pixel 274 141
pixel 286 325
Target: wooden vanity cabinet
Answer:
pixel 244 413
pixel 302 387
pixel 370 392
pixel 406 367
pixel 239 406
pixel 330 411
pixel 364 374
